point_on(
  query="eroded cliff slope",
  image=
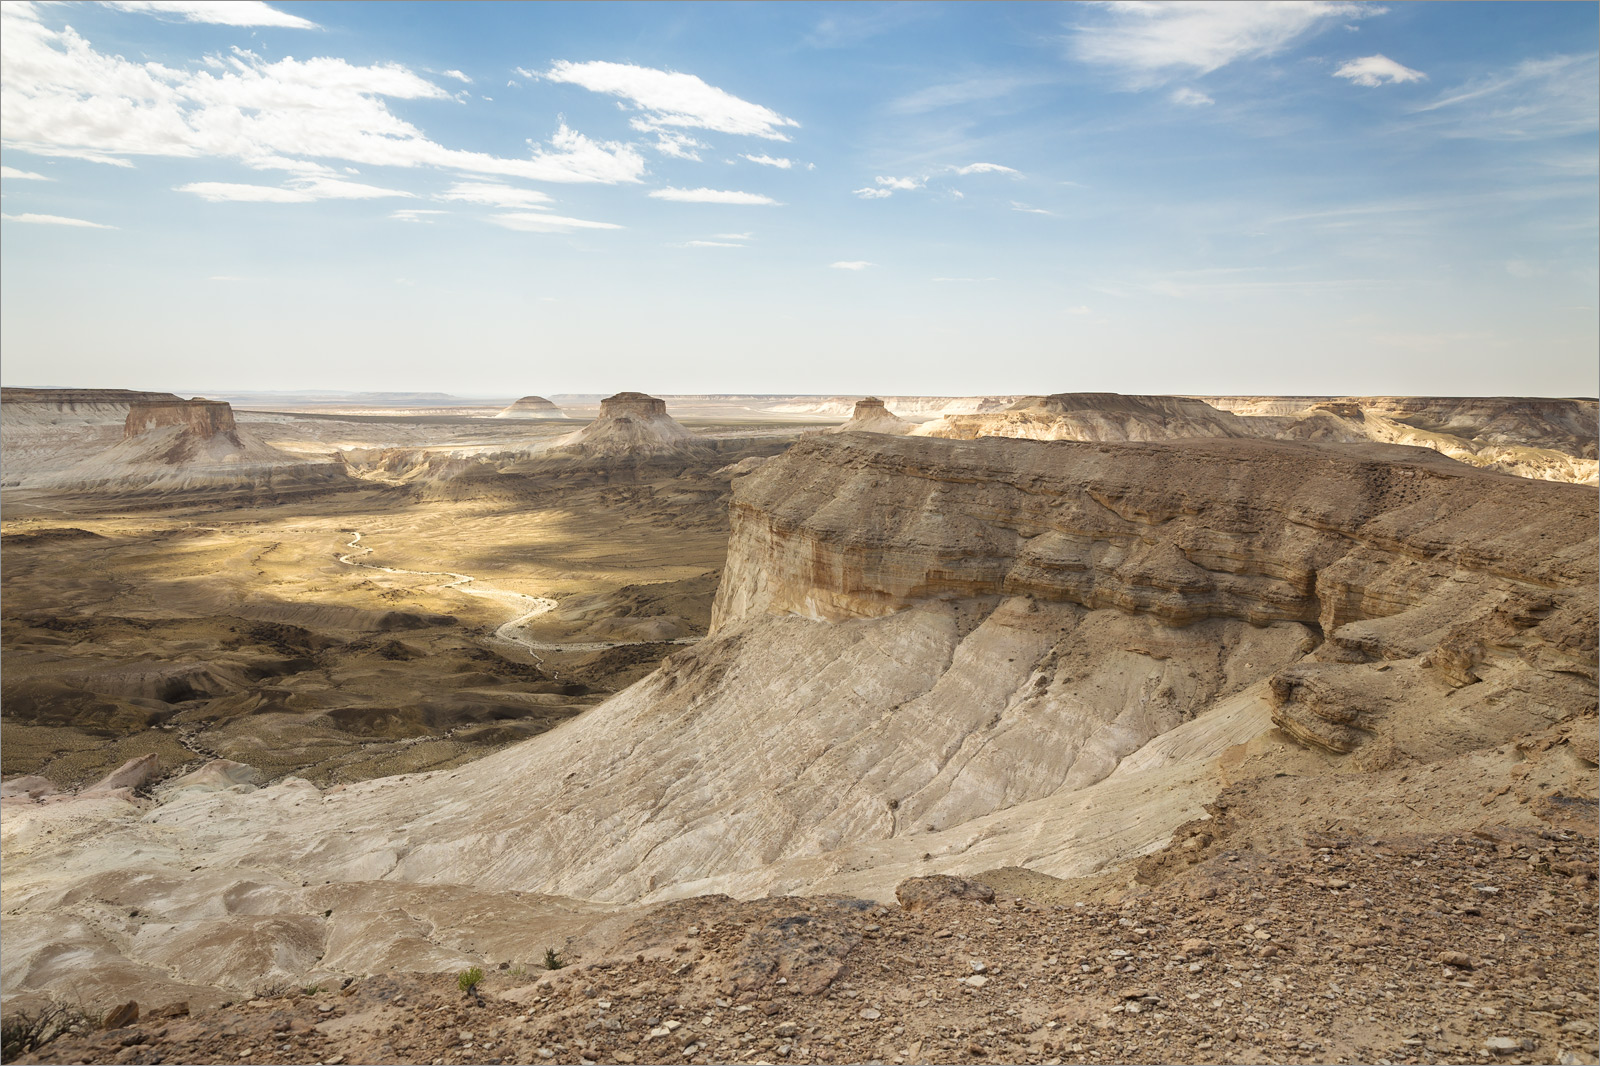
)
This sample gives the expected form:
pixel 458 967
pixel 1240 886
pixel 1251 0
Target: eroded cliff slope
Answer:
pixel 928 656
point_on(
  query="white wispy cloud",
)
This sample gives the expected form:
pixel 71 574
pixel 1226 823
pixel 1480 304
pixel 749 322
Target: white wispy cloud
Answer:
pixel 954 94
pixel 537 222
pixel 770 161
pixel 670 98
pixel 493 194
pixel 415 214
pixel 219 12
pixel 869 193
pixel 711 196
pixel 984 168
pixel 1552 97
pixel 1377 70
pixel 1150 42
pixel 456 74
pixel 1029 209
pixel 900 184
pixel 734 236
pixel 1190 97
pixel 298 191
pixel 851 264
pixel 55 220
pixel 59 96
pixel 23 175
pixel 677 145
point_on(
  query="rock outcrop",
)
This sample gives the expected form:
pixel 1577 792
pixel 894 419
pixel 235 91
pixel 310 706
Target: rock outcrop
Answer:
pixel 871 416
pixel 1093 416
pixel 1545 439
pixel 185 446
pixel 532 407
pixel 929 657
pixel 630 425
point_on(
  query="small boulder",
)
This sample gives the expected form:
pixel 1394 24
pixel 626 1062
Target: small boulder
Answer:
pixel 918 892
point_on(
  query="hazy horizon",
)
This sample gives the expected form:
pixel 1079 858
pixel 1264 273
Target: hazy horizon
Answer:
pixel 1322 198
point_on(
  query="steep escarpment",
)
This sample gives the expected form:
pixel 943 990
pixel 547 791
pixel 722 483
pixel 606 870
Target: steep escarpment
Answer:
pixel 182 446
pixel 929 656
pixel 1545 439
pixel 531 407
pixel 871 416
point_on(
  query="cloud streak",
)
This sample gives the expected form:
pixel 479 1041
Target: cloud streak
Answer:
pixel 1377 70
pixel 712 196
pixel 1151 42
pixel 851 264
pixel 23 175
pixel 55 220
pixel 62 97
pixel 535 222
pixel 300 191
pixel 217 12
pixel 670 98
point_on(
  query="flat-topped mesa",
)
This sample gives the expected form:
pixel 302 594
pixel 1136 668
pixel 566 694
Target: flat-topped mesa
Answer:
pixel 872 416
pixel 203 418
pixel 634 405
pixel 631 425
pixel 1094 416
pixel 532 407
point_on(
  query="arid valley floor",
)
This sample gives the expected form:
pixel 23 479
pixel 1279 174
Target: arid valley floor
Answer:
pixel 1066 728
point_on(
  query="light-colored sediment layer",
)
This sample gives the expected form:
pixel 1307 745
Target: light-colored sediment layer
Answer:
pixel 928 656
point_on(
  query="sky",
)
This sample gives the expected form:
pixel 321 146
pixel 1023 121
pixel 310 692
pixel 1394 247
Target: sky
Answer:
pixel 497 199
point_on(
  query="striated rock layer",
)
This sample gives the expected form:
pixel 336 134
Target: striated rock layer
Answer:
pixel 532 407
pixel 1547 439
pixel 630 425
pixel 929 656
pixel 871 416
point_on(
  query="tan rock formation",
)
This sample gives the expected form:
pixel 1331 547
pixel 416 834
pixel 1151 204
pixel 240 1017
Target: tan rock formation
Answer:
pixel 532 407
pixel 1546 439
pixel 186 446
pixel 871 416
pixel 930 657
pixel 630 424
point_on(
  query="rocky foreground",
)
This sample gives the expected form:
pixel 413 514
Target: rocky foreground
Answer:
pixel 1349 948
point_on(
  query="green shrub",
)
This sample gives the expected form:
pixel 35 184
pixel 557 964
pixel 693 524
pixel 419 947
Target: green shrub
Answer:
pixel 553 959
pixel 467 980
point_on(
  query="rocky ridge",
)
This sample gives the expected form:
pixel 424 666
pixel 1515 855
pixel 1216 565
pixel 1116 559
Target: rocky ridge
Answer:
pixel 871 416
pixel 1547 439
pixel 532 407
pixel 929 657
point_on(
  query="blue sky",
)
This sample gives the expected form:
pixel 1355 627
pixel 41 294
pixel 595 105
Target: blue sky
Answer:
pixel 505 198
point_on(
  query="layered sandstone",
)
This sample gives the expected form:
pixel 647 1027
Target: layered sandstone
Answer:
pixel 171 445
pixel 1092 416
pixel 929 656
pixel 871 416
pixel 1546 439
pixel 630 425
pixel 532 407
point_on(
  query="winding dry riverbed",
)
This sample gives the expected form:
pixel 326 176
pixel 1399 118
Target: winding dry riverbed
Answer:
pixel 526 607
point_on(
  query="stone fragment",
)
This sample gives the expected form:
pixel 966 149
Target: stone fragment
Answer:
pixel 918 892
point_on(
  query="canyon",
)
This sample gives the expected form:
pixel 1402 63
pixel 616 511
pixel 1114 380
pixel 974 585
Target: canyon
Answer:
pixel 1080 666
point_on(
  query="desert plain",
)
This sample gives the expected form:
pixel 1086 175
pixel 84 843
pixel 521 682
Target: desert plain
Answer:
pixel 1062 728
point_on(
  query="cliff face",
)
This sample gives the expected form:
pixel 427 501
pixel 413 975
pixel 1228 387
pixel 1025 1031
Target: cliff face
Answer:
pixel 532 407
pixel 1545 439
pixel 1253 530
pixel 929 656
pixel 871 416
pixel 630 425
pixel 204 419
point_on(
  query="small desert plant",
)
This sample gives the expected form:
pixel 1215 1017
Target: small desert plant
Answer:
pixel 467 980
pixel 553 959
pixel 517 971
pixel 24 1031
pixel 310 990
